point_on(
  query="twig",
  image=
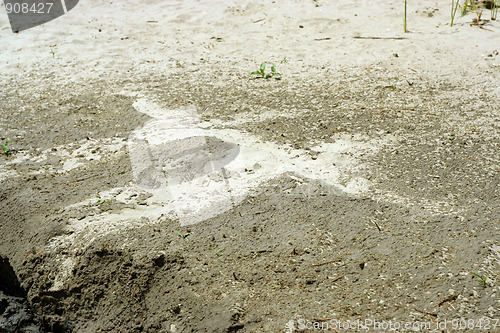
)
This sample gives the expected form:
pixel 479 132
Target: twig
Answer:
pixel 449 299
pixel 363 37
pixel 481 27
pixel 377 226
pixel 429 313
pixel 258 20
pixel 324 263
pixel 326 38
pixel 337 278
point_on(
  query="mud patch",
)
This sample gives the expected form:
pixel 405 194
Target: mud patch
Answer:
pixel 375 235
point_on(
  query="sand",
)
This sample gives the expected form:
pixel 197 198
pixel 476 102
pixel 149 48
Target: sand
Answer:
pixel 152 184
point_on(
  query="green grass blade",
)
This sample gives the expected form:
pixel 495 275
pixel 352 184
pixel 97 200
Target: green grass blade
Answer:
pixel 404 26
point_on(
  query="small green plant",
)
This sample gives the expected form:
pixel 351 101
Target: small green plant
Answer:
pixel 472 5
pixel 5 148
pixel 284 60
pixel 183 236
pixel 103 201
pixel 467 5
pixel 262 71
pixel 273 71
pixel 482 278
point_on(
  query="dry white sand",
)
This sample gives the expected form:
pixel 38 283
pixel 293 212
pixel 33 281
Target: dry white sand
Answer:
pixel 99 38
